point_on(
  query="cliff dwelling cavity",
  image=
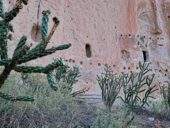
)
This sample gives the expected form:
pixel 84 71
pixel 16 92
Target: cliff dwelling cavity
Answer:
pixel 145 56
pixel 36 33
pixel 88 51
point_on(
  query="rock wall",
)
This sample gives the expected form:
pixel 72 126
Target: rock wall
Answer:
pixel 119 33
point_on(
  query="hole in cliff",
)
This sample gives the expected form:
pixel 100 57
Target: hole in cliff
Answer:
pixel 36 33
pixel 99 64
pixel 165 75
pixel 124 68
pixel 145 56
pixel 138 43
pixel 166 70
pixel 137 68
pixel 88 50
pixel 70 60
pixel 114 65
pixel 81 62
pixel 125 54
pixel 137 35
pixel 129 68
pixel 73 61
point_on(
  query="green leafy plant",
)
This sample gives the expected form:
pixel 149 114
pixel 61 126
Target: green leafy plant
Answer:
pixel 165 93
pixel 135 84
pixel 105 120
pixel 67 75
pixel 23 53
pixel 110 86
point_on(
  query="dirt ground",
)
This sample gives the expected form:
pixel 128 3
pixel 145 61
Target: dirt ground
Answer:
pixel 147 119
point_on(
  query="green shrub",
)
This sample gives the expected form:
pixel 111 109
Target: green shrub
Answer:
pixel 105 120
pixel 50 108
pixel 110 86
pixel 133 85
pixel 165 93
pixel 67 75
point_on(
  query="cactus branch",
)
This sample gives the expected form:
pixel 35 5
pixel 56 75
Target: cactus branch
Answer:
pixel 56 23
pixel 9 67
pixel 22 52
pixel 1 9
pixel 51 81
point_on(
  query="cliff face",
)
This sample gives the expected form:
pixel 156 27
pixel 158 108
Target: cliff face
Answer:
pixel 119 33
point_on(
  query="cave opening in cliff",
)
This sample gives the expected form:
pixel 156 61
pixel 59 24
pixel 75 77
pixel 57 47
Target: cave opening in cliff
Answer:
pixel 145 56
pixel 88 50
pixel 36 33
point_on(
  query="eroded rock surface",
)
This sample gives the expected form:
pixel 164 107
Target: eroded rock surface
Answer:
pixel 119 33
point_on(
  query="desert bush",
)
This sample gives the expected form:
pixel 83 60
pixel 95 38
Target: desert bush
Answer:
pixel 105 120
pixel 165 93
pixel 135 84
pixel 50 109
pixel 110 86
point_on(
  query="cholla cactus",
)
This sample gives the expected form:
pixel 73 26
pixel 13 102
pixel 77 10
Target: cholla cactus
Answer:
pixel 67 75
pixel 22 52
pixel 165 92
pixel 110 85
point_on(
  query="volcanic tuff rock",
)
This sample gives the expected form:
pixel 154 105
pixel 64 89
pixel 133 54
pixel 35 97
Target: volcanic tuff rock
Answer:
pixel 119 33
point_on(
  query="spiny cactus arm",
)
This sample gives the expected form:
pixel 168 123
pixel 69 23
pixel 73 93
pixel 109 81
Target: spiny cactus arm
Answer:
pixel 3 45
pixel 19 52
pixel 7 96
pixel 8 68
pixel 1 9
pixel 8 16
pixel 61 47
pixel 19 98
pixel 51 81
pixel 10 27
pixel 24 98
pixel 56 23
pixel 54 65
pixel 21 43
pixel 29 69
pixel 37 49
pixel 5 61
pixel 43 53
pixel 3 39
pixel 39 69
pixel 44 28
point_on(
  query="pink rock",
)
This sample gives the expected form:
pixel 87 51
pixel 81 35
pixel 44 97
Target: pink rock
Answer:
pixel 108 27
